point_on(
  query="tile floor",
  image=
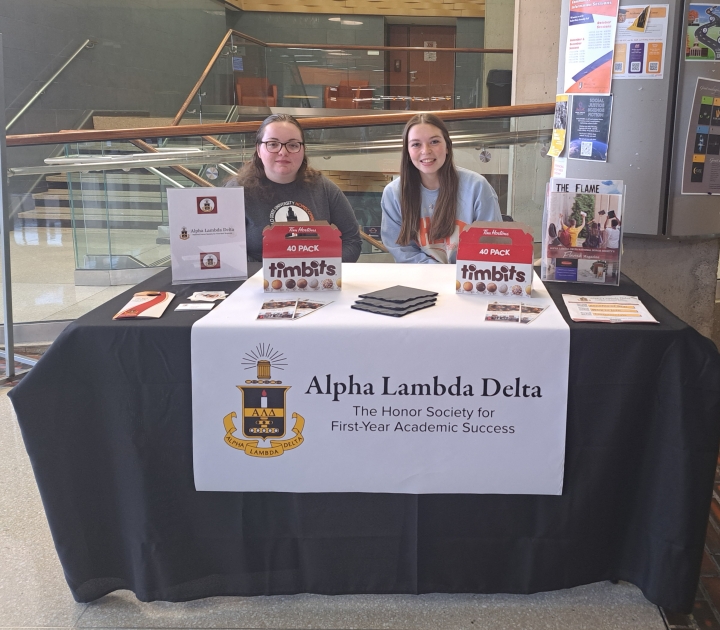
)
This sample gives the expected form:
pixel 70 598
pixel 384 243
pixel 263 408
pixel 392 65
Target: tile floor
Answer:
pixel 33 593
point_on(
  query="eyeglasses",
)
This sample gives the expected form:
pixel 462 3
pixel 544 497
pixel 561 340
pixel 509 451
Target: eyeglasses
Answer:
pixel 273 146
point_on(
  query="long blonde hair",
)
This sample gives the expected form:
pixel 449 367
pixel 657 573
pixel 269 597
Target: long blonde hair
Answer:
pixel 442 222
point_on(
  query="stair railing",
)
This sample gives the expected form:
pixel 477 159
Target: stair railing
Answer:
pixel 88 43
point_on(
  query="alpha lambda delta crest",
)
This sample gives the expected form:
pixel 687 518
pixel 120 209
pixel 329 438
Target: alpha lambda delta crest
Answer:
pixel 264 409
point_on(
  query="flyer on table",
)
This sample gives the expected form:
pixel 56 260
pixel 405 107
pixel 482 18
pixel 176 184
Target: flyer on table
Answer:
pixel 590 44
pixel 207 234
pixel 640 41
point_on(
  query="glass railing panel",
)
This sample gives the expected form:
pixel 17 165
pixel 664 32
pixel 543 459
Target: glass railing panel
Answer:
pixel 102 206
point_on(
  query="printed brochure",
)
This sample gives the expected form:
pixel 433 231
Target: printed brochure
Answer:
pixel 582 231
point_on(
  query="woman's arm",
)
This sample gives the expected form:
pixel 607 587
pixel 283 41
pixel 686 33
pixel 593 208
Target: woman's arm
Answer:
pixel 343 216
pixel 391 223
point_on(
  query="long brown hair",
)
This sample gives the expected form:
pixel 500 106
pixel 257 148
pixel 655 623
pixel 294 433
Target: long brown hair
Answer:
pixel 442 223
pixel 252 174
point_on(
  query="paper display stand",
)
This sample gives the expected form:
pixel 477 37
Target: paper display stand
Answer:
pixel 207 234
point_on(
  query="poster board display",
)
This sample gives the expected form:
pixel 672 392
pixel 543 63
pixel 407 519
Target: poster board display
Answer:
pixel 701 168
pixel 590 44
pixel 207 234
pixel 582 231
pixel 641 41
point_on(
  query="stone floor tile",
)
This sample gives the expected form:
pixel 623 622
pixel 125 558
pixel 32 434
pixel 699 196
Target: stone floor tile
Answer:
pixel 593 607
pixel 33 591
pixel 678 621
pixel 712 540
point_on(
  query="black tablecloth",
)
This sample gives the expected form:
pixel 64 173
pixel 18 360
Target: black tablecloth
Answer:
pixel 106 419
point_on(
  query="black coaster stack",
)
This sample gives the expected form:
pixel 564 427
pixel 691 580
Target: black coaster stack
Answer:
pixel 396 301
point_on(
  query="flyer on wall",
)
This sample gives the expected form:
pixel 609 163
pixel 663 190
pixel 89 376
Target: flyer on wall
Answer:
pixel 701 169
pixel 207 234
pixel 640 41
pixel 590 44
pixel 703 33
pixel 557 144
pixel 590 127
pixel 582 231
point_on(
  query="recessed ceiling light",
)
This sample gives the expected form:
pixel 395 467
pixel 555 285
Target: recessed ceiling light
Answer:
pixel 350 23
pixel 334 19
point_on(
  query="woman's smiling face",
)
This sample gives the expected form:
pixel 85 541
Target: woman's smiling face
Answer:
pixel 427 149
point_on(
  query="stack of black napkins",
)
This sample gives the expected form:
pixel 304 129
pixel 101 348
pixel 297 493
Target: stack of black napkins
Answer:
pixel 396 301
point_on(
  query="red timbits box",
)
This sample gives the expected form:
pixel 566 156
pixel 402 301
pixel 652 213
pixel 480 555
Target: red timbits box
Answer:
pixel 495 258
pixel 302 256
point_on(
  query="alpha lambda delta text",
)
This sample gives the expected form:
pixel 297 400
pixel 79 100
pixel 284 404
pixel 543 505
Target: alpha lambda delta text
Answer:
pixel 486 387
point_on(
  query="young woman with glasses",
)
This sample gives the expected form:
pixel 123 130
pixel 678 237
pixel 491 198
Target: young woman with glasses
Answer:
pixel 281 186
pixel 425 210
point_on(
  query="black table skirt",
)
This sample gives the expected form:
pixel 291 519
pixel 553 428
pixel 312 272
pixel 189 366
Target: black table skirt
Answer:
pixel 106 419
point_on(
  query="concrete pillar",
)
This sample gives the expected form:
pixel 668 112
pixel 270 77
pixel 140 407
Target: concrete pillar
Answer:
pixel 499 25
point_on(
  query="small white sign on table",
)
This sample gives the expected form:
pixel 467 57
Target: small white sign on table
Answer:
pixel 440 401
pixel 207 234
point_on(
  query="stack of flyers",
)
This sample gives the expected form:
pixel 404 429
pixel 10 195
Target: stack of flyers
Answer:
pixel 512 312
pixel 609 309
pixel 207 296
pixel 290 309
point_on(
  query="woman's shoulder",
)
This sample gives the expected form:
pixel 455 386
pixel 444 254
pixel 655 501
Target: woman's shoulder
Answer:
pixel 393 187
pixel 470 178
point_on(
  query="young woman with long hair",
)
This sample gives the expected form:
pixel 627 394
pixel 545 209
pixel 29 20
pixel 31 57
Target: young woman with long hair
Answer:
pixel 281 186
pixel 425 210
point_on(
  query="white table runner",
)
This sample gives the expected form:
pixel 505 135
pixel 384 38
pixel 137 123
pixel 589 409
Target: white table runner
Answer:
pixel 438 401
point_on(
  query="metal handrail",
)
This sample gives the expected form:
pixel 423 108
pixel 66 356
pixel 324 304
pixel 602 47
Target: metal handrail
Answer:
pixel 89 43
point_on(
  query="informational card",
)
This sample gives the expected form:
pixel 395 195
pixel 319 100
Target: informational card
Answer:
pixel 195 306
pixel 640 41
pixel 146 304
pixel 608 309
pixel 308 307
pixel 590 44
pixel 702 41
pixel 512 312
pixel 590 127
pixel 701 170
pixel 207 234
pixel 278 309
pixel 557 144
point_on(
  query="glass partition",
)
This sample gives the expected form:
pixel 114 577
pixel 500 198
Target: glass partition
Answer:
pixel 248 75
pixel 107 199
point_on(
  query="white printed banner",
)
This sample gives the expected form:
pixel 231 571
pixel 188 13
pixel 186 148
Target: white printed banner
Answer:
pixel 438 401
pixel 207 234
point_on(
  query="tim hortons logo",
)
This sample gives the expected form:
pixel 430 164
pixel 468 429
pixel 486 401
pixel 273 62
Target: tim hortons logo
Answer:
pixel 264 409
pixel 504 273
pixel 304 270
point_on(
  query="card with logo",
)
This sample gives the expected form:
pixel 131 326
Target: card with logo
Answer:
pixel 278 309
pixel 207 296
pixel 207 234
pixel 195 306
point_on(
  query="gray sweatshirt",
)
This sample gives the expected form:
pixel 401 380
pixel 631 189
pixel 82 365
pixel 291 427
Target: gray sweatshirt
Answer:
pixel 477 201
pixel 320 200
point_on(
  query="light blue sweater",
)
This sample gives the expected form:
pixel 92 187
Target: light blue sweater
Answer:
pixel 477 201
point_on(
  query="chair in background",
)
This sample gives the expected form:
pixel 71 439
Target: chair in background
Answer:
pixel 256 92
pixel 346 95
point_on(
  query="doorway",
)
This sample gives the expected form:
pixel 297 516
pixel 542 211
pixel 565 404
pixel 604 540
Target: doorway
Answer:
pixel 421 80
